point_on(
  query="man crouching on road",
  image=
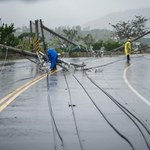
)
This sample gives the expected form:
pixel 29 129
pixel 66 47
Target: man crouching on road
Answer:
pixel 53 57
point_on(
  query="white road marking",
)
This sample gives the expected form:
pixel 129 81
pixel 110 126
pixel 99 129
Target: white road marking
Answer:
pixel 132 89
pixel 4 102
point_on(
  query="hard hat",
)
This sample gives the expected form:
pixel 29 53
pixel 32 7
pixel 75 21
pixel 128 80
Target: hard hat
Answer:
pixel 129 40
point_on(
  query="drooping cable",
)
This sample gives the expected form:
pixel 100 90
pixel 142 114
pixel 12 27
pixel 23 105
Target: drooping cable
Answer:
pixel 113 127
pixel 126 111
pixel 74 117
pixel 54 125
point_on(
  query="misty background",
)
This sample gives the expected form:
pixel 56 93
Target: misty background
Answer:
pixel 85 13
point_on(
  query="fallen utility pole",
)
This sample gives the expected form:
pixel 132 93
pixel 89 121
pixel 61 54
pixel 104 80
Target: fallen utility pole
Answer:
pixel 119 48
pixel 56 34
pixel 19 51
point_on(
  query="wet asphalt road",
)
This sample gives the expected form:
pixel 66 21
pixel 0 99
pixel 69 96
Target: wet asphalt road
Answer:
pixel 67 111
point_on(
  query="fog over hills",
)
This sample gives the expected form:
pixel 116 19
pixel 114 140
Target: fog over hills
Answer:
pixel 115 17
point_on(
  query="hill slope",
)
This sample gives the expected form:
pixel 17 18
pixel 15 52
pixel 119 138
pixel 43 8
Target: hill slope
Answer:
pixel 113 18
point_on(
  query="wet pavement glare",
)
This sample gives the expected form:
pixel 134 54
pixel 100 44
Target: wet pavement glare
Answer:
pixel 67 111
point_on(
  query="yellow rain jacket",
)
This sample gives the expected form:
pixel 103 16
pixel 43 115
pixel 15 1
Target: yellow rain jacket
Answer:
pixel 127 48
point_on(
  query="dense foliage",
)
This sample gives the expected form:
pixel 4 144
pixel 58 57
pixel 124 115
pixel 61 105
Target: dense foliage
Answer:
pixel 86 40
pixel 131 28
pixel 7 35
pixel 108 45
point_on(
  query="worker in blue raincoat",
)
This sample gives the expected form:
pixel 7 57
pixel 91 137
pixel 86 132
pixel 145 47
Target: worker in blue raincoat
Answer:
pixel 53 57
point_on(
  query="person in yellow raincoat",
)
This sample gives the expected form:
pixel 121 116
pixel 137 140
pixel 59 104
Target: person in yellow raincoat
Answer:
pixel 127 49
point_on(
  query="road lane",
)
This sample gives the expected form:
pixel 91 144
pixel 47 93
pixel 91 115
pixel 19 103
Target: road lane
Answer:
pixel 26 122
pixel 131 87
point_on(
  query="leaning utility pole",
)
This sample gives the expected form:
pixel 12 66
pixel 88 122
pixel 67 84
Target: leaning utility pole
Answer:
pixel 43 37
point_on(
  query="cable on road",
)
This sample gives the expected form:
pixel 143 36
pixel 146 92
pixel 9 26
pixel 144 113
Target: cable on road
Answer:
pixel 126 111
pixel 54 125
pixel 104 64
pixel 74 117
pixel 113 127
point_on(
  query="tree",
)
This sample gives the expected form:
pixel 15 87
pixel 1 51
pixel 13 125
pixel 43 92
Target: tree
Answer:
pixel 7 35
pixel 97 45
pixel 71 34
pixel 25 40
pixel 131 28
pixel 109 45
pixel 88 40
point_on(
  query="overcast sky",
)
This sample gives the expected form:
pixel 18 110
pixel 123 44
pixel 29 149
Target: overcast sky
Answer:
pixel 56 13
